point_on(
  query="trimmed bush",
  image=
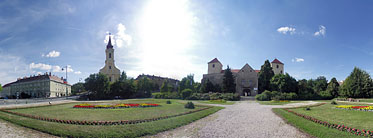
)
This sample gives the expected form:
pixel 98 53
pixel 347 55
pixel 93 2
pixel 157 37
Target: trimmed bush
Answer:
pixel 168 102
pixel 189 105
pixel 333 102
pixel 186 93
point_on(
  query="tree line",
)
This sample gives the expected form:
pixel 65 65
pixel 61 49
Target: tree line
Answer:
pixel 284 87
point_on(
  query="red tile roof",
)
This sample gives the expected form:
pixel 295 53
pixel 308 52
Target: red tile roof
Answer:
pixel 214 60
pixel 257 71
pixel 277 61
pixel 38 77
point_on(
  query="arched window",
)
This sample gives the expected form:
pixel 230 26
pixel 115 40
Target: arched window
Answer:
pixel 109 67
pixel 276 66
pixel 109 55
pixel 213 65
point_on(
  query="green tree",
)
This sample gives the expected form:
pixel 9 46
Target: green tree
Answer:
pixel 333 88
pixel 1 88
pixel 320 84
pixel 357 85
pixel 265 76
pixel 165 87
pixel 187 83
pixel 207 86
pixel 229 86
pixel 144 87
pixel 77 88
pixel 123 77
pixel 305 89
pixel 98 86
pixel 123 88
pixel 283 83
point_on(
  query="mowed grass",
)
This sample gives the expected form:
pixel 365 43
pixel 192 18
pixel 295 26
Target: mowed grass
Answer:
pixel 367 100
pixel 129 130
pixel 67 112
pixel 328 112
pixel 310 127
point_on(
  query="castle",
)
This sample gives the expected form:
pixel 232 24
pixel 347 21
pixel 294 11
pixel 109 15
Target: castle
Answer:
pixel 109 69
pixel 246 78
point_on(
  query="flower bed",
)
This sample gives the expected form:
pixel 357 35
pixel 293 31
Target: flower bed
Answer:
pixel 92 106
pixel 340 127
pixel 359 108
pixel 84 122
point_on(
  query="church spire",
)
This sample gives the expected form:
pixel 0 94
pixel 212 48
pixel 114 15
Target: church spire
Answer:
pixel 109 45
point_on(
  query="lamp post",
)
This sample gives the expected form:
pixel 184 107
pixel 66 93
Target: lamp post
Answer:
pixel 66 67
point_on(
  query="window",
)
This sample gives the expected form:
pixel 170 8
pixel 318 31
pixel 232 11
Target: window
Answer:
pixel 109 55
pixel 213 65
pixel 109 67
pixel 281 71
pixel 109 78
pixel 276 66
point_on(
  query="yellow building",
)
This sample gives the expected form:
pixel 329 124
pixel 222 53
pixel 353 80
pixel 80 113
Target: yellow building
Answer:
pixel 109 69
pixel 39 86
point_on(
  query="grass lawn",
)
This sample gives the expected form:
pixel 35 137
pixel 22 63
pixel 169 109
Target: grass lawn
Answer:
pixel 276 102
pixel 215 102
pixel 367 100
pixel 65 111
pixel 328 112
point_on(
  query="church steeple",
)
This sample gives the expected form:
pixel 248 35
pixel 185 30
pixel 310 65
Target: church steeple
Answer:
pixel 109 45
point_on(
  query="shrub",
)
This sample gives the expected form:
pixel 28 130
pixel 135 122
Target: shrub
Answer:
pixel 168 102
pixel 262 97
pixel 307 108
pixel 186 93
pixel 189 105
pixel 215 96
pixel 333 102
pixel 288 96
pixel 231 97
pixel 326 95
pixel 158 95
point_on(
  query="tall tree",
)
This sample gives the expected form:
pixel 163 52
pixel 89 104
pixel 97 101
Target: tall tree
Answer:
pixel 333 87
pixel 98 85
pixel 207 86
pixel 144 87
pixel 123 77
pixel 357 85
pixel 284 83
pixel 77 88
pixel 1 88
pixel 123 88
pixel 187 83
pixel 265 76
pixel 164 87
pixel 229 86
pixel 320 84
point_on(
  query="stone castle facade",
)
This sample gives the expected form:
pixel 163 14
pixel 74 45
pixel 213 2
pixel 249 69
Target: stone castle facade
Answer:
pixel 112 72
pixel 246 78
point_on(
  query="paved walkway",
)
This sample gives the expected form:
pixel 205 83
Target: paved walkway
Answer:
pixel 244 119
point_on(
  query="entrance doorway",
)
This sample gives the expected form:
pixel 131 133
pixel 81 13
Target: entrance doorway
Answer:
pixel 246 92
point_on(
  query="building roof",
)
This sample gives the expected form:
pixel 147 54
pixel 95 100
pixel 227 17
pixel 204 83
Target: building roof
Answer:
pixel 257 71
pixel 214 60
pixel 277 61
pixel 39 77
pixel 109 45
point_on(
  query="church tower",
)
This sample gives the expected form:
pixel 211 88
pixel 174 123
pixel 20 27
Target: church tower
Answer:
pixel 277 66
pixel 109 69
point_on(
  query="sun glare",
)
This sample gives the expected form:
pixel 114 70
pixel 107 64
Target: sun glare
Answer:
pixel 166 31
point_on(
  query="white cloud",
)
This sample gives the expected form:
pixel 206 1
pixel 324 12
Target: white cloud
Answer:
pixel 62 69
pixel 77 72
pixel 52 54
pixel 121 38
pixel 11 68
pixel 298 60
pixel 321 32
pixel 286 30
pixel 40 66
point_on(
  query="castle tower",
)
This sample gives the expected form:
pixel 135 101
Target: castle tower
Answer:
pixel 214 66
pixel 277 66
pixel 109 69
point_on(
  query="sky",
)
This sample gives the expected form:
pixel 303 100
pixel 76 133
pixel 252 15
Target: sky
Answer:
pixel 174 38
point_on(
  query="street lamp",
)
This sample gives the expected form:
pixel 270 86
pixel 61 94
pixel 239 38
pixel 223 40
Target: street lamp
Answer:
pixel 66 67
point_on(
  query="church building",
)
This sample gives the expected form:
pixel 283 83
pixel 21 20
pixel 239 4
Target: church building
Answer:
pixel 246 78
pixel 109 69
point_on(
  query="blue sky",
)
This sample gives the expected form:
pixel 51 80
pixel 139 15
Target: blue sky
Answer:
pixel 174 38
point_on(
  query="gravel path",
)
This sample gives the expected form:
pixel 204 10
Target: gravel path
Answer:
pixel 243 119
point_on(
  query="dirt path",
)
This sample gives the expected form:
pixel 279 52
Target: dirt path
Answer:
pixel 243 119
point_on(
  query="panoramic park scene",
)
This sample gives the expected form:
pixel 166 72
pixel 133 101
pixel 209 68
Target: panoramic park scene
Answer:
pixel 186 69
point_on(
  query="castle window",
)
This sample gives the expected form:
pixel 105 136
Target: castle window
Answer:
pixel 281 71
pixel 276 66
pixel 109 67
pixel 109 55
pixel 213 65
